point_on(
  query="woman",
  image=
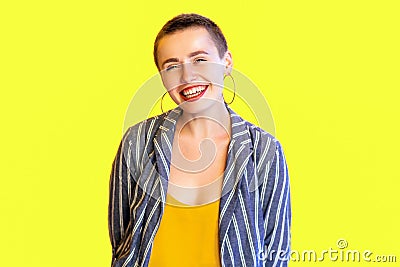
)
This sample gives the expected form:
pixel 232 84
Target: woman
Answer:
pixel 198 185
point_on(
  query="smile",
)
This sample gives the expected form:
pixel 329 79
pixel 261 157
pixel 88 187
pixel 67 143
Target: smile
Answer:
pixel 194 92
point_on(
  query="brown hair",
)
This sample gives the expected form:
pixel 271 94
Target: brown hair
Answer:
pixel 185 21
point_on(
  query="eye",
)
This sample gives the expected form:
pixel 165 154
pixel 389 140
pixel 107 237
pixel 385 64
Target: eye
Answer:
pixel 172 67
pixel 199 60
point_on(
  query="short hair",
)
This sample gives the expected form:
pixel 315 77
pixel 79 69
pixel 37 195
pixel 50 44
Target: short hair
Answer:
pixel 184 21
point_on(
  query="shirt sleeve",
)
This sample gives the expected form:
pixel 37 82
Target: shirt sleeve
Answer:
pixel 119 207
pixel 277 211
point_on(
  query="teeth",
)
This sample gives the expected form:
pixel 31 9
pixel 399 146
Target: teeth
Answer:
pixel 192 92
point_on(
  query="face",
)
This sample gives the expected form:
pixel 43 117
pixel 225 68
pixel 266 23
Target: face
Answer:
pixel 191 68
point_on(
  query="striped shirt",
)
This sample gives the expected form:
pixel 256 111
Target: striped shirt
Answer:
pixel 254 209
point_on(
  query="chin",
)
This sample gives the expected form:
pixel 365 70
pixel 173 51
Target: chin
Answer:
pixel 202 105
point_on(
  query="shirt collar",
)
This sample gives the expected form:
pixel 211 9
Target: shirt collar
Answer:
pixel 239 127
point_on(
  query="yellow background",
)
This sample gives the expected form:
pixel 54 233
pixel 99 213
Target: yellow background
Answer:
pixel 329 70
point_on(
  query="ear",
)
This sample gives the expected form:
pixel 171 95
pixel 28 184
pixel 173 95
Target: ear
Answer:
pixel 228 61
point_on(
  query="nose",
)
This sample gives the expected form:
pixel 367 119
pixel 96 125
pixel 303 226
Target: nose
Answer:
pixel 187 74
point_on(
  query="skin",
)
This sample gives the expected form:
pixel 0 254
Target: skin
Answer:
pixel 189 58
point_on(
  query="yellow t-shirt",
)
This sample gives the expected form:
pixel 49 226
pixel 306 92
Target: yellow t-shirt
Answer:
pixel 187 236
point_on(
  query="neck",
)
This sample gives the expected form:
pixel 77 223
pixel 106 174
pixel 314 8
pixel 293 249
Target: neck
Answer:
pixel 212 122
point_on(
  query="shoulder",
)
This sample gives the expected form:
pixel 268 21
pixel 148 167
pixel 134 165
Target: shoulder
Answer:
pixel 266 147
pixel 145 129
pixel 263 142
pixel 257 134
pixel 270 167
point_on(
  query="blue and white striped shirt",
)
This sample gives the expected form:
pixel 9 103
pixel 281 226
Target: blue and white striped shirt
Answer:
pixel 254 211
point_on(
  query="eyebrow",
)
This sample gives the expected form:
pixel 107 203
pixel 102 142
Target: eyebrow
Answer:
pixel 193 54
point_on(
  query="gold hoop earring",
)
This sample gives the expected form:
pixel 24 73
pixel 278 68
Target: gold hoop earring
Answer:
pixel 162 110
pixel 234 89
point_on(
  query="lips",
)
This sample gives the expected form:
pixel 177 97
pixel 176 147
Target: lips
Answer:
pixel 193 92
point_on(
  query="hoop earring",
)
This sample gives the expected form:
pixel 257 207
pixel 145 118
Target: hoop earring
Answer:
pixel 162 98
pixel 234 89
